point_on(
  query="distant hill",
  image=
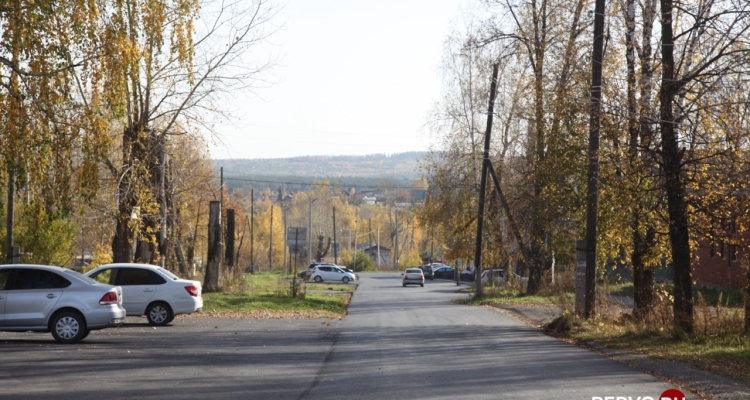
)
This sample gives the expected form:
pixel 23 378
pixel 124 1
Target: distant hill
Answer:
pixel 364 170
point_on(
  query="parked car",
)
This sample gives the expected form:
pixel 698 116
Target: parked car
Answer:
pixel 413 276
pixel 331 273
pixel 468 274
pixel 498 276
pixel 445 273
pixel 151 290
pixel 428 272
pixel 349 270
pixel 311 268
pixel 41 298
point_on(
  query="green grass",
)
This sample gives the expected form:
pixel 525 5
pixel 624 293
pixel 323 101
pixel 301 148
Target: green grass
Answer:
pixel 270 302
pixel 497 295
pixel 328 286
pixel 266 294
pixel 727 355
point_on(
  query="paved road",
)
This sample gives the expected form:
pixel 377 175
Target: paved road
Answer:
pixel 413 343
pixel 396 343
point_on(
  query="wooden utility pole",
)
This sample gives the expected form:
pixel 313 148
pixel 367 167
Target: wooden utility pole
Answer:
pixel 483 185
pixel 270 245
pixel 335 250
pixel 592 197
pixel 252 233
pixel 395 250
pixel 229 253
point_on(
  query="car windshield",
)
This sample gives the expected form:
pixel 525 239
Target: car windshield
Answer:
pixel 413 271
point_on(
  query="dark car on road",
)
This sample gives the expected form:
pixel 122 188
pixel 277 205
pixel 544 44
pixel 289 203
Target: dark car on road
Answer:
pixel 428 272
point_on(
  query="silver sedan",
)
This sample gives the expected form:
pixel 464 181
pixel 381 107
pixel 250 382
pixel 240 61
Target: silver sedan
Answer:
pixel 41 298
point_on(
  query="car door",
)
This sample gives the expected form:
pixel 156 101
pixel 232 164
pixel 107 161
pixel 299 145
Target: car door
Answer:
pixel 137 289
pixel 325 273
pixel 31 296
pixel 337 275
pixel 4 279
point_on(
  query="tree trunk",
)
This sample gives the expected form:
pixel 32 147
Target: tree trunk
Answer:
pixel 122 242
pixel 321 250
pixel 674 185
pixel 643 277
pixel 211 278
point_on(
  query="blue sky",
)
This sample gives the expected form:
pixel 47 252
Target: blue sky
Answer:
pixel 356 77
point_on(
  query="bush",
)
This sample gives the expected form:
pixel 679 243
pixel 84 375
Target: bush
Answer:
pixel 364 262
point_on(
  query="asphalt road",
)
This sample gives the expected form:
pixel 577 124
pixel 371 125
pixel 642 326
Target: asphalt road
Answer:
pixel 395 343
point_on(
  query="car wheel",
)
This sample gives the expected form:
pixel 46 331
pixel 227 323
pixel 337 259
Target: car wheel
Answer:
pixel 68 327
pixel 404 285
pixel 318 279
pixel 159 314
pixel 345 279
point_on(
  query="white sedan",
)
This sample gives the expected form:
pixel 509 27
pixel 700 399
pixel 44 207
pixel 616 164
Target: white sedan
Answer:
pixel 151 290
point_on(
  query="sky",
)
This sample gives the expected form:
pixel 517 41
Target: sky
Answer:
pixel 355 77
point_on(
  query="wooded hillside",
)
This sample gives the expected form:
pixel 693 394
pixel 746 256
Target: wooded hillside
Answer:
pixel 400 166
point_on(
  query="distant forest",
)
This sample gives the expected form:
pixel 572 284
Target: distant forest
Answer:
pixel 298 173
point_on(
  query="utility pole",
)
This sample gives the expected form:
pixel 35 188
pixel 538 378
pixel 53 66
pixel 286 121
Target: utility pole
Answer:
pixel 483 186
pixel 270 246
pixel 378 247
pixel 335 250
pixel 592 195
pixel 283 216
pixel 309 234
pixel 395 251
pixel 252 236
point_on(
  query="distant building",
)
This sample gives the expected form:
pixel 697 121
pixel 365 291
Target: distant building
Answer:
pixel 372 251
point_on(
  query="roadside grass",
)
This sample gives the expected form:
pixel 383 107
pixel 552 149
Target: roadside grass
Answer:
pixel 712 297
pixel 494 296
pixel 717 344
pixel 327 286
pixel 267 295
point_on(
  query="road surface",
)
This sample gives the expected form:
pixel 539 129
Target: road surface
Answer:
pixel 395 343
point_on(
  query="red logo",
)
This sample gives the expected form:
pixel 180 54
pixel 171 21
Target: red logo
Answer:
pixel 672 394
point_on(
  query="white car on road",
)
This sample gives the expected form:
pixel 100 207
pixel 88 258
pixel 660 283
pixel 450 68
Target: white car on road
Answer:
pixel 331 273
pixel 151 290
pixel 413 276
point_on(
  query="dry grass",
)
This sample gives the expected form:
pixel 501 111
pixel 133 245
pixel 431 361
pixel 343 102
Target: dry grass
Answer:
pixel 717 344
